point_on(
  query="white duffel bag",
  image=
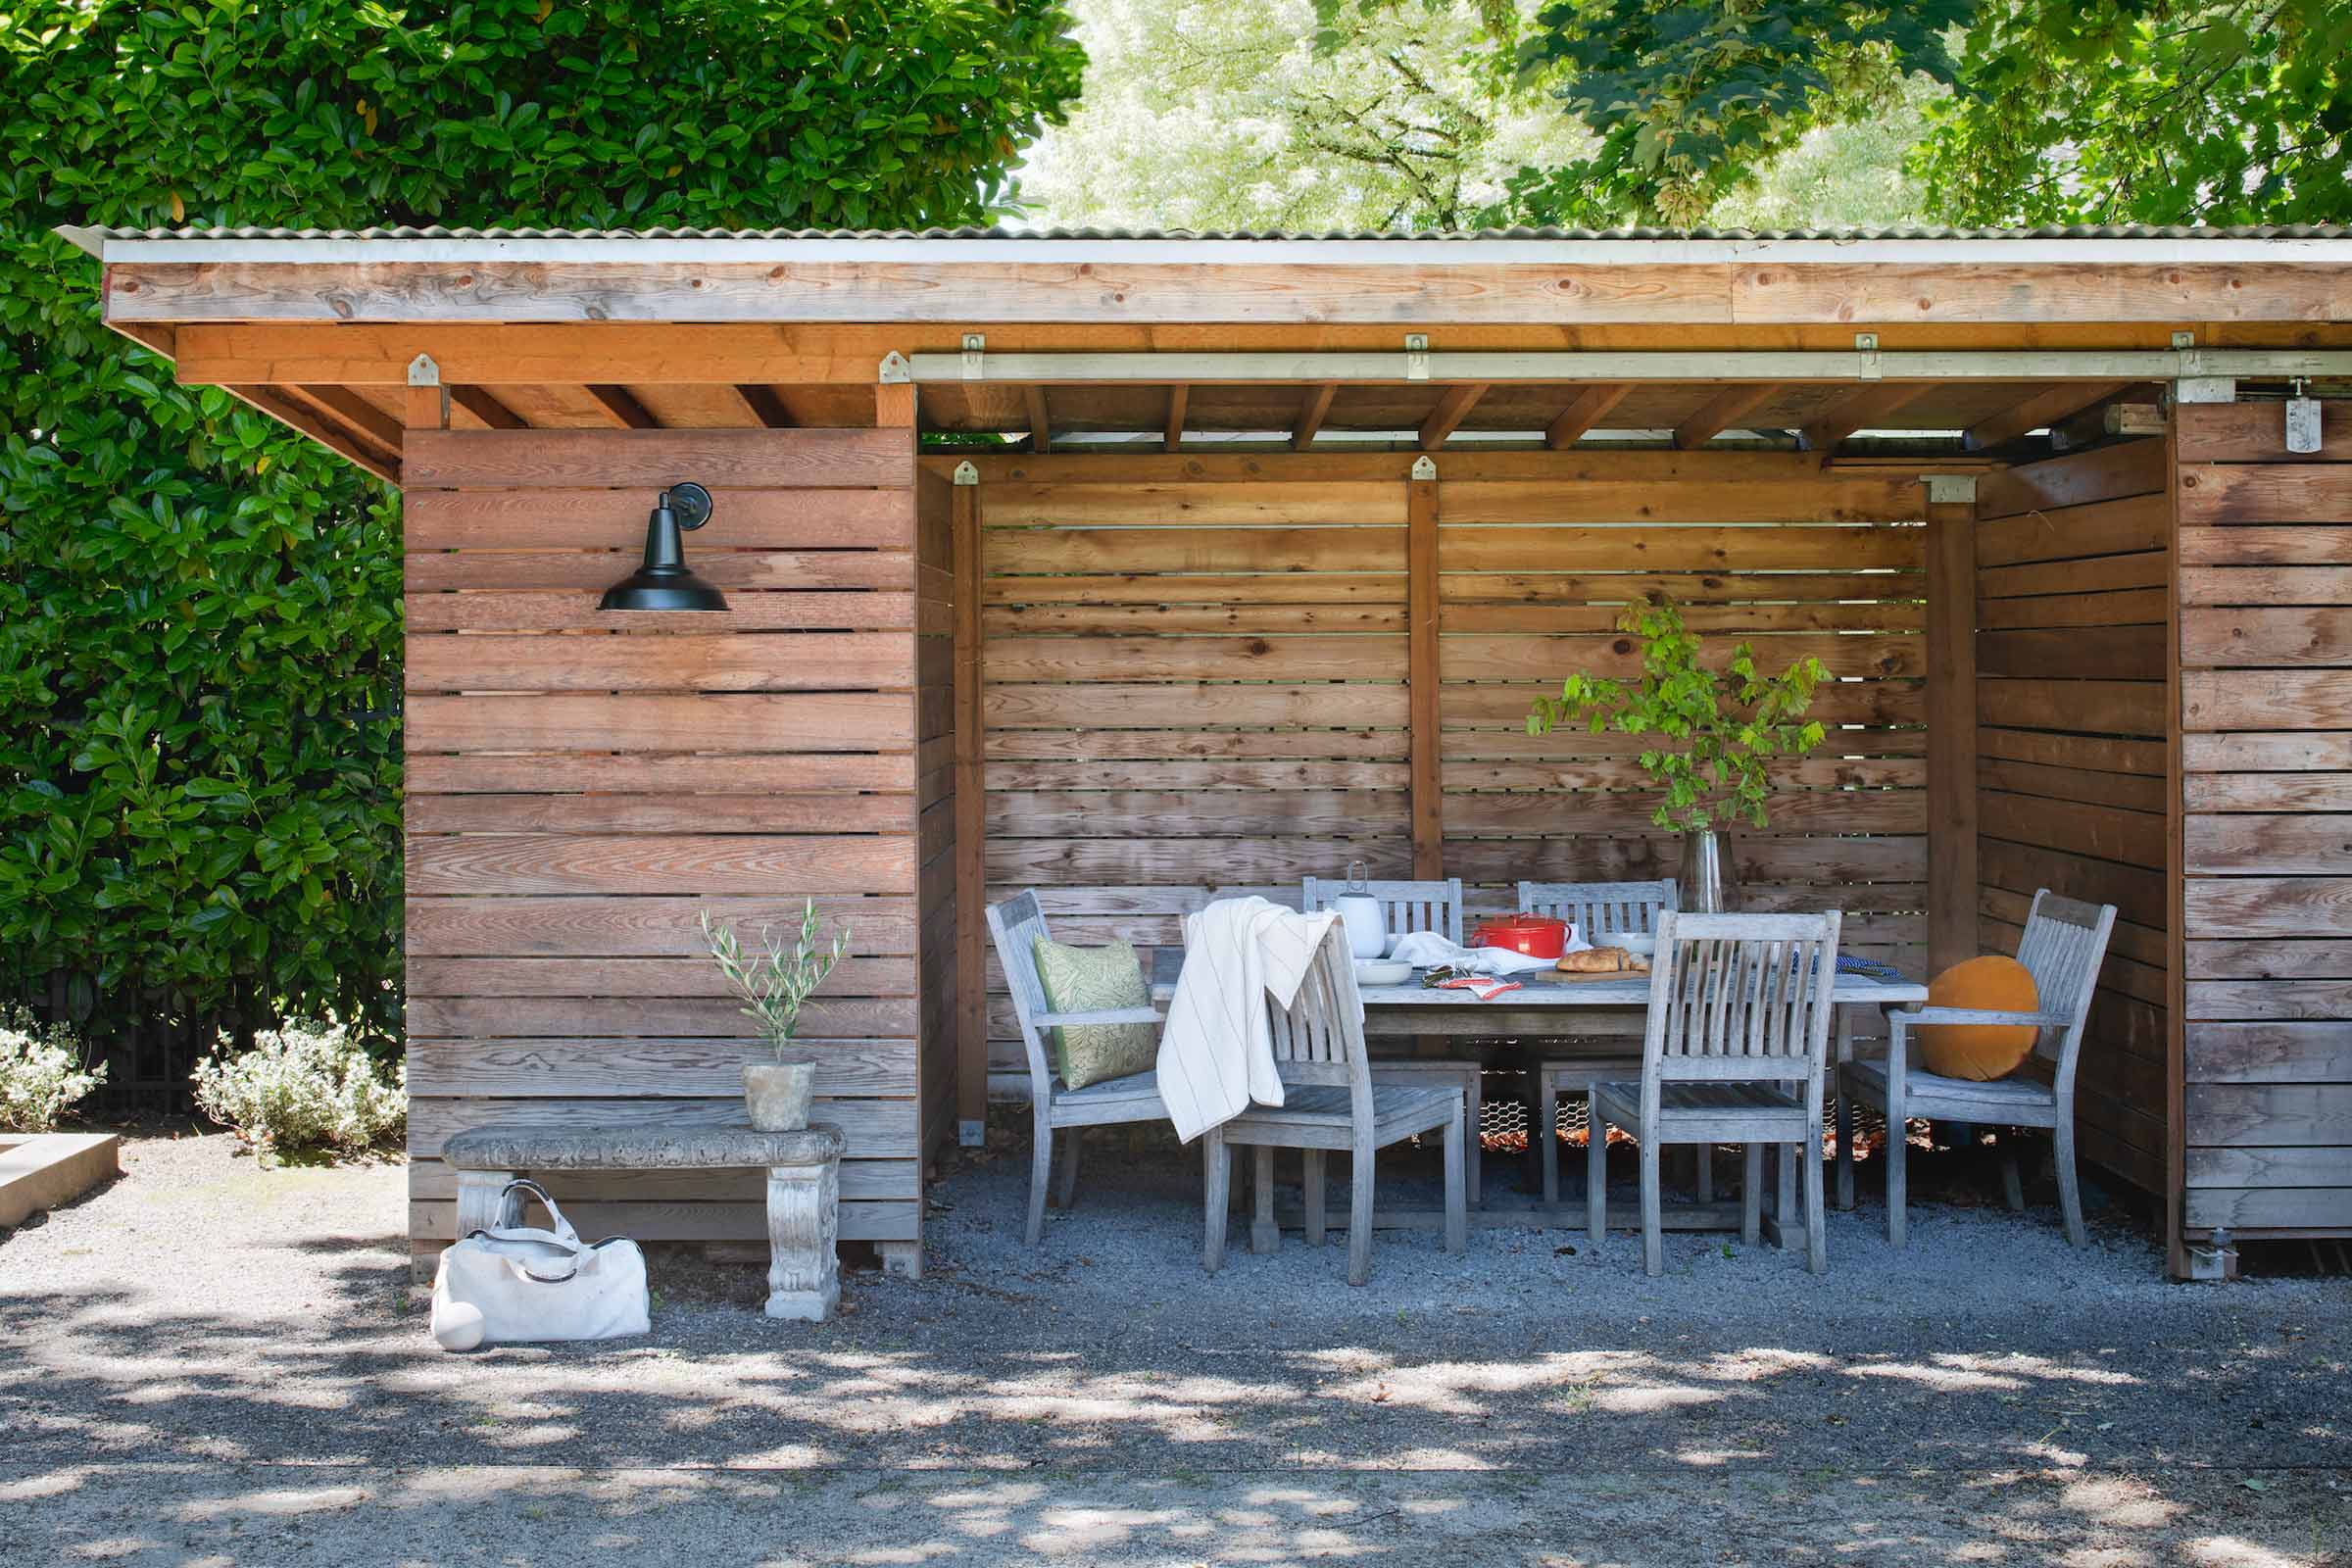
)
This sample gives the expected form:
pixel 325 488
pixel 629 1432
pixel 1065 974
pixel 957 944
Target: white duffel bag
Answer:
pixel 512 1285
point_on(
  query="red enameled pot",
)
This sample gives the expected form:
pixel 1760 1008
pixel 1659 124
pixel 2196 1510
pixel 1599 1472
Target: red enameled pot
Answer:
pixel 1538 936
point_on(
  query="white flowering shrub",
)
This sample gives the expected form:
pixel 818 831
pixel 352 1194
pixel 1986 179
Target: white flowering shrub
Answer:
pixel 304 1088
pixel 40 1074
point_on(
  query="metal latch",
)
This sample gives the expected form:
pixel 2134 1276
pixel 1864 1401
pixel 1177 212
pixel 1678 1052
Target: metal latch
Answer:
pixel 2302 421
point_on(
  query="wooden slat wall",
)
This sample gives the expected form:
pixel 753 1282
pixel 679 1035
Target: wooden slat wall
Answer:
pixel 2071 564
pixel 582 784
pixel 1195 675
pixel 2266 710
pixel 1798 559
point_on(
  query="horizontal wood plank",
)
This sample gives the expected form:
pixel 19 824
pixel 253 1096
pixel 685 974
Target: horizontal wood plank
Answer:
pixel 658 864
pixel 647 459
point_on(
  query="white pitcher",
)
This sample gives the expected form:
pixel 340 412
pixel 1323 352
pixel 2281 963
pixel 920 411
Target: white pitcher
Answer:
pixel 1360 911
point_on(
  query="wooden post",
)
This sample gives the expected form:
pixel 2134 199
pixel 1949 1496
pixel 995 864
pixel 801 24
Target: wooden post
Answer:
pixel 971 821
pixel 1951 711
pixel 1421 618
pixel 427 405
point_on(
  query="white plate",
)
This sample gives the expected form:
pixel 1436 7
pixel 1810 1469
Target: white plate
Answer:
pixel 1382 972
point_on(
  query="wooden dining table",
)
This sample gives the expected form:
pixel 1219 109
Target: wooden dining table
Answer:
pixel 1573 1018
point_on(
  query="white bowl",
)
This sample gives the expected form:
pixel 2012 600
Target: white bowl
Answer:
pixel 1382 972
pixel 1639 944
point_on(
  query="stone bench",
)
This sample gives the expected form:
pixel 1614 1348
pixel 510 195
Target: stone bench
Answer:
pixel 803 1186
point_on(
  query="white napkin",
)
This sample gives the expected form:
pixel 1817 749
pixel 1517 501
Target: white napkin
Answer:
pixel 1425 950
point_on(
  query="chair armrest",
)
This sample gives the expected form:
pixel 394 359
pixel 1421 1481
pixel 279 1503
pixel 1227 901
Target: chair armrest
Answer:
pixel 1912 1017
pixel 1055 1021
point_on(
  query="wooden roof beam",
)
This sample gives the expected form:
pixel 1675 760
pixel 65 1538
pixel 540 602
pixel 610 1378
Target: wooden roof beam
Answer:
pixel 479 402
pixel 2050 406
pixel 1584 411
pixel 622 409
pixel 341 406
pixel 1858 409
pixel 1312 410
pixel 1041 429
pixel 336 438
pixel 765 406
pixel 1178 396
pixel 1450 413
pixel 1720 411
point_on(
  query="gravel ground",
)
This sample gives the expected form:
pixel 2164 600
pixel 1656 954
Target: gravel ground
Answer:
pixel 210 1362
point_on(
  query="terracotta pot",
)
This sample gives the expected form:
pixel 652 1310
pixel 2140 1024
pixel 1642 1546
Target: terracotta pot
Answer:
pixel 776 1094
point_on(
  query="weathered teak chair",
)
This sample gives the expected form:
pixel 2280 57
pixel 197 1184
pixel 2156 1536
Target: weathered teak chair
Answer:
pixel 1016 924
pixel 1596 909
pixel 1740 1011
pixel 1404 906
pixel 1420 906
pixel 2064 943
pixel 1330 1102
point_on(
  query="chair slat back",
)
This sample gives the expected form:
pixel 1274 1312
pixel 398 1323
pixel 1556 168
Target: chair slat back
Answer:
pixel 1319 1038
pixel 2064 944
pixel 1633 907
pixel 1404 906
pixel 1740 999
pixel 1016 924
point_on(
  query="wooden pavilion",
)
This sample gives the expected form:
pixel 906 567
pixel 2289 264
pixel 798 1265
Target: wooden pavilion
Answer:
pixel 1130 566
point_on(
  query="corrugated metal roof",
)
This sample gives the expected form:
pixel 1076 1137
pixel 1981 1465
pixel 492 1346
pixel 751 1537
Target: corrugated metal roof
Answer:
pixel 2112 232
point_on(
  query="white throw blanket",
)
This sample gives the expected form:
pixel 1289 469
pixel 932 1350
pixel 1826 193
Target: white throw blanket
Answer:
pixel 1216 1054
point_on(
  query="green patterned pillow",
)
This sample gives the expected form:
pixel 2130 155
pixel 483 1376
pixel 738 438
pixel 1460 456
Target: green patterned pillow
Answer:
pixel 1096 980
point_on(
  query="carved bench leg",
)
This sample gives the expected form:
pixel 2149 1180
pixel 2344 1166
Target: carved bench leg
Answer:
pixel 477 1200
pixel 803 1274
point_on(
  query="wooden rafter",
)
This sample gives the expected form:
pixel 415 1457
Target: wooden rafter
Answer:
pixel 1041 429
pixel 1720 411
pixel 1311 413
pixel 479 402
pixel 765 405
pixel 2050 406
pixel 1856 409
pixel 623 408
pixel 1584 411
pixel 1178 396
pixel 340 405
pixel 335 438
pixel 1450 413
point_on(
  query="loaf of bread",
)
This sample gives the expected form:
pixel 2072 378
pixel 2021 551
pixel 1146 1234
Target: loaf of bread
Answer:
pixel 1601 960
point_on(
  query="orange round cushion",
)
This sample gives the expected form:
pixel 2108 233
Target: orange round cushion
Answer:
pixel 1980 1050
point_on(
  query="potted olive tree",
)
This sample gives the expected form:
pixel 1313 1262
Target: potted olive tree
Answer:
pixel 774 984
pixel 1713 736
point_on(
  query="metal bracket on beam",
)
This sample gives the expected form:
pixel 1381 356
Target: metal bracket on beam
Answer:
pixel 2302 422
pixel 2182 342
pixel 422 372
pixel 1866 344
pixel 2205 388
pixel 975 356
pixel 971 1134
pixel 1952 489
pixel 895 369
pixel 1416 357
pixel 1425 468
pixel 965 473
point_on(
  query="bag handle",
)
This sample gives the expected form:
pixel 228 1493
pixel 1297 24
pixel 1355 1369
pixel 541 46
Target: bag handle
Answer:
pixel 562 1236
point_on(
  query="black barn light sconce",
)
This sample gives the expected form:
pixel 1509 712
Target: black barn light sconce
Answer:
pixel 663 582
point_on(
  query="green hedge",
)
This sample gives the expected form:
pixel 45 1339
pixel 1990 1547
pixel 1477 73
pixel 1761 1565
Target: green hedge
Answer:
pixel 199 613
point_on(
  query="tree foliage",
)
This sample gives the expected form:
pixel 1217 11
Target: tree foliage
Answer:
pixel 2058 111
pixel 2131 111
pixel 199 626
pixel 1292 114
pixel 1691 100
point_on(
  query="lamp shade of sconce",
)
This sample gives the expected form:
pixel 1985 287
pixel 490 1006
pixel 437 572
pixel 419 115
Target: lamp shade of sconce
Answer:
pixel 663 582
